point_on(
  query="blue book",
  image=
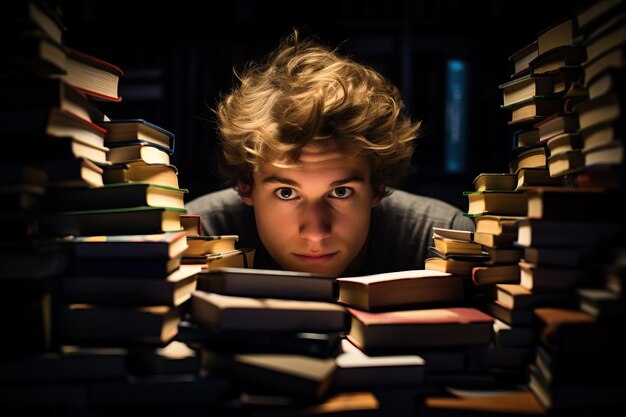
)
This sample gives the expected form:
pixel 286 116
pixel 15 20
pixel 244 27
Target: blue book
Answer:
pixel 124 132
pixel 456 116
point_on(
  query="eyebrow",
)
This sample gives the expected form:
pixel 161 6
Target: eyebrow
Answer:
pixel 282 180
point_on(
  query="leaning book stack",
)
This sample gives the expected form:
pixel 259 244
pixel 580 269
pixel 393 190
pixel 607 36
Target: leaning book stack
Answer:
pixel 93 259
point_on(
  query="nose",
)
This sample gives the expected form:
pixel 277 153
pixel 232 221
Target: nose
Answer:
pixel 315 222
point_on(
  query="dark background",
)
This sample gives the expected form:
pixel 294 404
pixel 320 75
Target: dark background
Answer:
pixel 178 58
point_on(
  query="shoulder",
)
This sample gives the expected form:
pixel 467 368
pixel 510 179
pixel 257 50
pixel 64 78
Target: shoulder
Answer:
pixel 218 201
pixel 422 210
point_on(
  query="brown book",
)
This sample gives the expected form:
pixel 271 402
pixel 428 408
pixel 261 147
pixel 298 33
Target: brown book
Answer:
pixel 522 58
pixel 402 289
pixel 525 87
pixel 564 142
pixel 565 162
pixel 509 203
pixel 610 154
pixel 613 58
pixel 205 245
pixel 495 274
pixel 558 35
pixel 534 109
pixel 152 324
pixel 227 312
pixel 496 224
pixel 568 203
pixel 454 326
pixel 517 297
pixel 459 247
pixel 557 124
pixel 602 109
pixel 532 177
pixel 535 157
pixel 545 279
pixel 156 174
pixel 495 181
pixel 483 403
pixel 451 265
pixel 491 240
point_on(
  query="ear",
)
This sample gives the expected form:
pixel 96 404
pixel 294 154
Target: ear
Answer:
pixel 245 192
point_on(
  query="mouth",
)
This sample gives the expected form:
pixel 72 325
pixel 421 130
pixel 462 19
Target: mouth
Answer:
pixel 315 259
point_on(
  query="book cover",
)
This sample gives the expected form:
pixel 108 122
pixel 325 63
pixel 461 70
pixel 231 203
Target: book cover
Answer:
pixel 158 245
pixel 133 130
pixel 265 283
pixel 400 289
pixel 229 312
pixel 454 326
pixel 96 78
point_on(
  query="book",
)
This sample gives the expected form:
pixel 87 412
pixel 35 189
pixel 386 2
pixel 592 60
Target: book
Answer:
pixel 602 134
pixel 563 142
pixel 266 283
pixel 133 131
pixel 238 258
pixel 557 124
pixel 491 240
pixel 29 123
pixel 68 363
pixel 451 265
pixel 613 58
pixel 565 162
pixel 495 274
pixel 37 54
pixel 203 245
pixel 37 93
pixel 173 358
pixel 556 256
pixel 609 35
pixel 483 402
pixel 294 375
pixel 602 304
pixel 159 245
pixel 507 335
pixel 402 289
pixel 121 221
pixel 534 157
pixel 496 224
pixel 525 87
pixel 495 181
pixel 151 324
pixel 156 174
pixel 531 177
pixel 558 58
pixel 354 369
pixel 540 232
pixel 609 80
pixel 228 312
pixel 602 109
pixel 533 109
pixel 458 247
pixel 518 297
pixel 521 58
pixel 544 279
pixel 512 317
pixel 504 255
pixel 440 327
pixel 192 223
pixel 74 172
pixel 565 203
pixel 454 234
pixel 556 36
pixel 142 152
pixel 112 196
pixel 590 15
pixel 95 77
pixel 161 392
pixel 510 203
pixel 129 267
pixel 525 137
pixel 172 290
pixel 322 345
pixel 610 154
pixel 36 16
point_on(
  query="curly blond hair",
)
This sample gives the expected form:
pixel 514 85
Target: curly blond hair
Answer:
pixel 307 93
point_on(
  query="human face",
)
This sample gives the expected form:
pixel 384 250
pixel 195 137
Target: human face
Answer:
pixel 314 217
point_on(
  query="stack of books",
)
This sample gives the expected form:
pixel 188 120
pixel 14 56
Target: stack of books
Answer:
pixel 94 266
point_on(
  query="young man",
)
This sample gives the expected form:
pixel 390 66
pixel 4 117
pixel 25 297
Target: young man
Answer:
pixel 313 142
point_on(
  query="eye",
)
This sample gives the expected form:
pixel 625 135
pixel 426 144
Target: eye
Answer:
pixel 341 192
pixel 286 193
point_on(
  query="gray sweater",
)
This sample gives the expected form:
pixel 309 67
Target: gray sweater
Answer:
pixel 400 229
